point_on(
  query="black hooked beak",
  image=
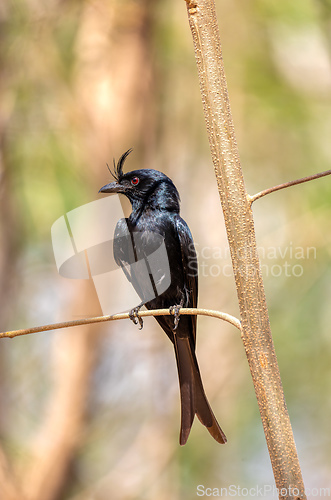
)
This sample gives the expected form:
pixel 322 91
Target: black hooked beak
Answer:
pixel 112 187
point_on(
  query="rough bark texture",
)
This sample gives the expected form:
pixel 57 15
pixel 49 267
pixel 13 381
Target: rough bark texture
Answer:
pixel 256 333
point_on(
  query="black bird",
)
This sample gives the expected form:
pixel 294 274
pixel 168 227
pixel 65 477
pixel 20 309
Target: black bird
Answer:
pixel 155 219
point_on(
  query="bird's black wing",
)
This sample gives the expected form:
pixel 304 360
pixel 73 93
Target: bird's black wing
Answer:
pixel 133 250
pixel 190 269
pixel 122 248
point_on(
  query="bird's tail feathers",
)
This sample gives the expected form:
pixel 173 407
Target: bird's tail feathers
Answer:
pixel 192 394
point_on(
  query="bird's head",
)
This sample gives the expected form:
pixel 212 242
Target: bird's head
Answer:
pixel 145 188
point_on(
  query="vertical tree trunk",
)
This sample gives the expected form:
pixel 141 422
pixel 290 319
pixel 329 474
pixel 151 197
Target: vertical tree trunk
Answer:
pixel 256 333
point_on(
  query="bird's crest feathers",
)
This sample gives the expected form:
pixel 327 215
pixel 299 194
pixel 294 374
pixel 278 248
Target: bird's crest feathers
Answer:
pixel 117 171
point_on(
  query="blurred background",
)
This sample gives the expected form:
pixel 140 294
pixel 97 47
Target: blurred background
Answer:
pixel 93 412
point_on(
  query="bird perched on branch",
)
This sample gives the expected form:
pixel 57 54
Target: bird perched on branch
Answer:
pixel 163 279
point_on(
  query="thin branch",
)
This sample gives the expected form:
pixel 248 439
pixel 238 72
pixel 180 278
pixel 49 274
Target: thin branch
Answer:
pixel 142 314
pixel 287 184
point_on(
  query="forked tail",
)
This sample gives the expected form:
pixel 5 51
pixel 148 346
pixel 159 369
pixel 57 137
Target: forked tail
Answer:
pixel 192 394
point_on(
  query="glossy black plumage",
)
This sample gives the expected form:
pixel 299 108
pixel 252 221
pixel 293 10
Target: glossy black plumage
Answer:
pixel 155 218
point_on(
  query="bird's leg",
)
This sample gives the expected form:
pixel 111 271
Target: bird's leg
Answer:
pixel 133 315
pixel 174 310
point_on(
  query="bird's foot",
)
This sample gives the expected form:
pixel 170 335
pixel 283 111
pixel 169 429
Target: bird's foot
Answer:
pixel 133 315
pixel 174 310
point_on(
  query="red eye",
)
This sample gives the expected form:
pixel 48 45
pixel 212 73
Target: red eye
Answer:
pixel 135 181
